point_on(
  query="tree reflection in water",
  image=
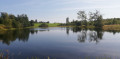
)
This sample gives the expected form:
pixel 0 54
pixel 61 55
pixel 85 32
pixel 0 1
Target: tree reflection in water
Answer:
pixel 82 36
pixel 9 36
pixel 93 35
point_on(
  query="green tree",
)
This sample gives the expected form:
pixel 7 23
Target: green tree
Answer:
pixel 32 22
pixel 12 18
pixel 43 25
pixel 5 19
pixel 98 19
pixel 83 17
pixel 98 22
pixel 91 18
pixel 23 19
pixel 115 21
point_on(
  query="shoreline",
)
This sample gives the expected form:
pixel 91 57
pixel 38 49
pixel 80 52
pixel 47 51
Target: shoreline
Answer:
pixel 105 27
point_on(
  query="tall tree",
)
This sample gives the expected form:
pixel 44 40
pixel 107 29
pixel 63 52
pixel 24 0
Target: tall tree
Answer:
pixel 23 19
pixel 98 19
pixel 5 19
pixel 91 18
pixel 83 17
pixel 32 22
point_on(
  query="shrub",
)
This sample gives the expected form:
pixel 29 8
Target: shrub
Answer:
pixel 43 25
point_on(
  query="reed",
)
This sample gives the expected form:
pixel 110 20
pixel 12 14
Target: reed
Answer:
pixel 111 27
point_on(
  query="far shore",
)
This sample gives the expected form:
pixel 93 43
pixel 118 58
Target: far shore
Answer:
pixel 36 25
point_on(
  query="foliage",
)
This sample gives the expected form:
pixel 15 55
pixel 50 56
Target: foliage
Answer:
pixel 83 16
pixel 12 21
pixel 43 25
pixel 9 36
pixel 111 21
pixel 49 24
pixel 111 27
pixel 53 24
pixel 2 27
pixel 32 22
pixel 97 19
pixel 90 19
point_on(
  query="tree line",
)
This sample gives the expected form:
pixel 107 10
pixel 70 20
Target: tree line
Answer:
pixel 85 19
pixel 111 21
pixel 91 19
pixel 12 21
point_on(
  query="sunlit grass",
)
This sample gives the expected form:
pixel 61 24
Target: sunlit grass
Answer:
pixel 2 27
pixel 49 24
pixel 111 27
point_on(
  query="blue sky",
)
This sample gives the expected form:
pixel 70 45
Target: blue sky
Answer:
pixel 58 10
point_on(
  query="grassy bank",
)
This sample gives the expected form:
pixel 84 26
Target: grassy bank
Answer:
pixel 105 27
pixel 111 27
pixel 3 27
pixel 49 24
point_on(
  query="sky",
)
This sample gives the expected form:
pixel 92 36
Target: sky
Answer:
pixel 59 10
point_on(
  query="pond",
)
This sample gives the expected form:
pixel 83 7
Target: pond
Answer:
pixel 59 43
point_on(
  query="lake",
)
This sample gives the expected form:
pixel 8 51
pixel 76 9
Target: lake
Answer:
pixel 59 43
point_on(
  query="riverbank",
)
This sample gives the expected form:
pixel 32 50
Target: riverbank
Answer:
pixel 36 25
pixel 3 27
pixel 111 27
pixel 49 24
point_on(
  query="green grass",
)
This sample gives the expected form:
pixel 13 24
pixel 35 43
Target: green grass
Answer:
pixel 53 24
pixel 111 27
pixel 37 24
pixel 2 27
pixel 49 24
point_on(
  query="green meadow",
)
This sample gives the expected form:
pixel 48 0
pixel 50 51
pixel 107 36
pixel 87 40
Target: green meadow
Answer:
pixel 49 24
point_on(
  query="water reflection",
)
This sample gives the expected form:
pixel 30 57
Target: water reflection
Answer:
pixel 96 35
pixel 7 37
pixel 113 31
pixel 76 29
pixel 34 31
pixel 83 35
pixel 61 43
pixel 67 30
pixel 91 35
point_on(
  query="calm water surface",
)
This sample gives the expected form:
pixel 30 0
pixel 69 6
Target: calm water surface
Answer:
pixel 60 43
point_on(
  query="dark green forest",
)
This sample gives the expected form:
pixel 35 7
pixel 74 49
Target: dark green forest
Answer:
pixel 12 21
pixel 111 21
